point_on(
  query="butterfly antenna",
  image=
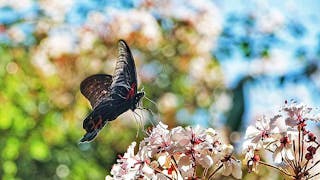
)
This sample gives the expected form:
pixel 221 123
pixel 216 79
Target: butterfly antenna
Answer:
pixel 149 110
pixel 154 103
pixel 145 96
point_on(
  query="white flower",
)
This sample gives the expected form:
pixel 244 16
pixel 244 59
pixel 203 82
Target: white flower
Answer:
pixel 180 136
pixel 159 140
pixel 292 143
pixel 128 166
pixel 278 121
pixel 261 133
pixel 176 154
pixel 205 161
pixel 248 149
pixel 284 150
pixel 231 165
pixel 198 144
pixel 298 113
pixel 251 159
pixel 108 178
pixel 164 159
pixel 185 164
pixel 147 171
pixel 295 113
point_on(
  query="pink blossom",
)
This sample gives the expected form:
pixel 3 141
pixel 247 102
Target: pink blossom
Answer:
pixel 177 154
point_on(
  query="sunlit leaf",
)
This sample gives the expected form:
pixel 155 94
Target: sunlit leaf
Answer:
pixel 38 150
pixel 11 150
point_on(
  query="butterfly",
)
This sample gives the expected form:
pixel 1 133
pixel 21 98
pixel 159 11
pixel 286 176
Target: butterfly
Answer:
pixel 110 96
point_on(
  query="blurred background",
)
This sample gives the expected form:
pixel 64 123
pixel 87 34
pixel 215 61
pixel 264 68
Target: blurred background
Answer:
pixel 218 64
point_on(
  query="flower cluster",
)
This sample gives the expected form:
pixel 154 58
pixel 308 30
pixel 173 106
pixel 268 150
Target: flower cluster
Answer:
pixel 286 137
pixel 177 154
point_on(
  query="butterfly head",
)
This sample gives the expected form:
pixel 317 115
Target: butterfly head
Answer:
pixel 136 100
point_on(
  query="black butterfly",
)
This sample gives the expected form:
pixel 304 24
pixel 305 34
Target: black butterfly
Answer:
pixel 110 96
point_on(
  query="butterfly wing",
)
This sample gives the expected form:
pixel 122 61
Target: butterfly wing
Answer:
pixel 96 120
pixel 96 87
pixel 124 82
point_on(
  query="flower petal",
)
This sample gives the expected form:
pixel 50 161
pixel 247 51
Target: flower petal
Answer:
pixel 277 156
pixel 236 170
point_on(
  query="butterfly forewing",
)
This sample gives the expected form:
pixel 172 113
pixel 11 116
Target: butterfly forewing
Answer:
pixel 96 87
pixel 124 83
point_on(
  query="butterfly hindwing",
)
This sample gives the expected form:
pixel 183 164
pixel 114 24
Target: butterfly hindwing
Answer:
pixel 124 84
pixel 96 87
pixel 96 120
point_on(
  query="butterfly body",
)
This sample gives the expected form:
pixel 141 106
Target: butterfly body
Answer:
pixel 110 96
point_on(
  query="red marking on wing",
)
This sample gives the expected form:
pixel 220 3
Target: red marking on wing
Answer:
pixel 91 125
pixel 131 92
pixel 96 126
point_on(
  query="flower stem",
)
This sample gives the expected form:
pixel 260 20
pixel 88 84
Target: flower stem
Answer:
pixel 300 155
pixel 302 147
pixel 314 175
pixel 313 165
pixel 305 165
pixel 277 168
pixel 175 164
pixel 267 146
pixel 214 172
pixel 295 154
pixel 290 163
pixel 159 171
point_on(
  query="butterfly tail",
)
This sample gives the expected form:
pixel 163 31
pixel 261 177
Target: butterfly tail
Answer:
pixel 89 136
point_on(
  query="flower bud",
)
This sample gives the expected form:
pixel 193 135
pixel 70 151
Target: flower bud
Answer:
pixel 309 156
pixel 311 136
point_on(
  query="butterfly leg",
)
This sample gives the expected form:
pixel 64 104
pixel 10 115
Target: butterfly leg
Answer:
pixel 154 117
pixel 139 122
pixel 151 112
